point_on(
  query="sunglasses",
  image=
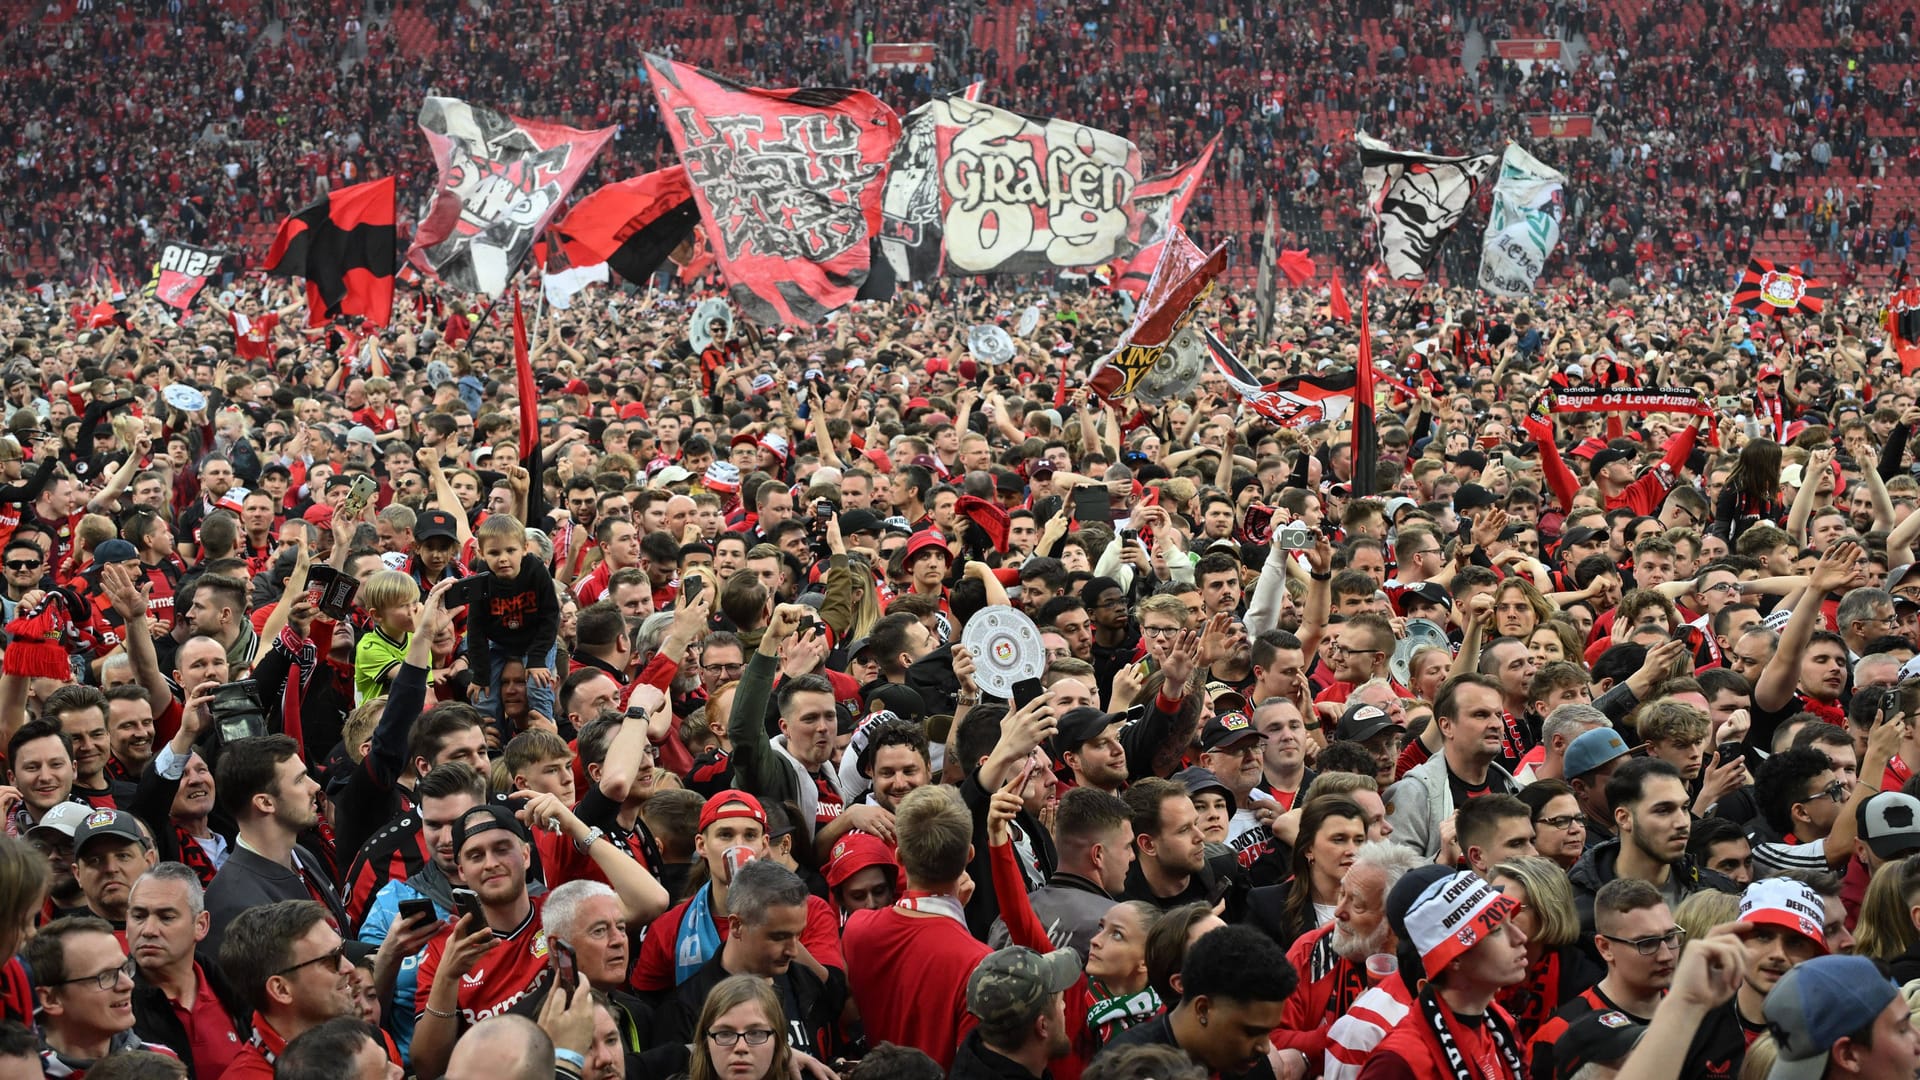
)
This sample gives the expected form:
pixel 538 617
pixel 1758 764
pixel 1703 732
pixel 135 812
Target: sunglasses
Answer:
pixel 23 564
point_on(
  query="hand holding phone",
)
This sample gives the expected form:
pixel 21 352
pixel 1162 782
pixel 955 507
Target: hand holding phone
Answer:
pixel 468 903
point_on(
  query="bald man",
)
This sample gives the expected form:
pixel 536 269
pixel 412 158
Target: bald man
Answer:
pixel 502 1048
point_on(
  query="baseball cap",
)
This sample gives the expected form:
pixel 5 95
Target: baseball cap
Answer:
pixel 1607 457
pixel 746 805
pixel 483 819
pixel 1227 729
pixel 672 474
pixel 853 852
pixel 1603 1037
pixel 322 515
pixel 115 550
pixel 1472 459
pixel 1817 1004
pixel 861 521
pixel 1788 904
pixel 112 823
pixel 1081 726
pixel 1397 504
pixel 1442 913
pixel 1197 779
pixel 64 819
pixel 1224 698
pixel 1473 497
pixel 1593 749
pixel 1889 821
pixel 1012 986
pixel 1362 722
pixel 432 523
pixel 1580 536
pixel 1425 592
pixel 362 434
pixel 923 540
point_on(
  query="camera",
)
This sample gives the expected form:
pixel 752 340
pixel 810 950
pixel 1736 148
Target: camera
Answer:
pixel 1296 538
pixel 237 711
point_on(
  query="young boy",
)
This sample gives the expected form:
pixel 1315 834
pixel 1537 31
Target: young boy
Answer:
pixel 393 599
pixel 516 617
pixel 537 760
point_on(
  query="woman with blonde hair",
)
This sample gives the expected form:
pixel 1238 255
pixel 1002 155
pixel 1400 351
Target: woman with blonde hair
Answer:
pixel 1885 930
pixel 1705 910
pixel 742 1033
pixel 1557 971
pixel 23 889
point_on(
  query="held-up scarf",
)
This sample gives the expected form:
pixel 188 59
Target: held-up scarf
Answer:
pixel 698 938
pixel 1503 1049
pixel 1112 1015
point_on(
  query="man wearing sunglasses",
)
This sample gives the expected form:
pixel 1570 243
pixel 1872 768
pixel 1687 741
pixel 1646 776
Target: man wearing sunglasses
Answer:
pixel 288 962
pixel 84 984
pixel 1637 939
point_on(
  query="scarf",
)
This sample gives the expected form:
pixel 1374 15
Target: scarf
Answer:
pixel 1773 412
pixel 698 938
pixel 1531 1003
pixel 1110 1015
pixel 1440 1022
pixel 934 903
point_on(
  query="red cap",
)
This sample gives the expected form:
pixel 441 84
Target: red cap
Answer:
pixel 854 852
pixel 1767 371
pixel 319 514
pixel 917 403
pixel 880 459
pixel 633 410
pixel 575 386
pixel 716 808
pixel 921 541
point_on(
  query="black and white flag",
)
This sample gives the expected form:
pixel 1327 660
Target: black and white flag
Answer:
pixel 1415 200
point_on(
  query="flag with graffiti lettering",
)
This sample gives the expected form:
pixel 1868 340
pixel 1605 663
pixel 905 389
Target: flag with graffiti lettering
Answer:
pixel 1523 227
pixel 788 182
pixel 910 200
pixel 1415 200
pixel 1180 283
pixel 502 179
pixel 1158 205
pixel 1022 195
pixel 181 272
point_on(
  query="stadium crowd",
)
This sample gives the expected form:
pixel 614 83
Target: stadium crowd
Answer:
pixel 352 728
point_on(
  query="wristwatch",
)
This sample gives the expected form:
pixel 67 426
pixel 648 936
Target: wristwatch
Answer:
pixel 584 843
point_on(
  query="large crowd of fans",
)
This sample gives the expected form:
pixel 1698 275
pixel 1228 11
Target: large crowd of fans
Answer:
pixel 832 702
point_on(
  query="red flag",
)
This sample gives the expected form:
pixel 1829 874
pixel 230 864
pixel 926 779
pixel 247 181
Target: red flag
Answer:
pixel 1337 301
pixel 1366 441
pixel 632 225
pixel 1158 205
pixel 787 183
pixel 1298 266
pixel 523 387
pixel 343 245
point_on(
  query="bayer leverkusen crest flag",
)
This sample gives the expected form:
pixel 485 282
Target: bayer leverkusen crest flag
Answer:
pixel 1766 289
pixel 1158 205
pixel 788 183
pixel 502 179
pixel 181 272
pixel 344 246
pixel 632 225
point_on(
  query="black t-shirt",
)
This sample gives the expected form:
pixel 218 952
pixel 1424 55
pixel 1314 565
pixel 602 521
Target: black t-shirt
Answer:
pixel 1463 791
pixel 1720 1046
pixel 1159 1032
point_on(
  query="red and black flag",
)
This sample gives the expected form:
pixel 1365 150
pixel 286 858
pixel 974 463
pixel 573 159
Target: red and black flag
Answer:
pixel 1180 282
pixel 529 399
pixel 344 246
pixel 632 225
pixel 1765 289
pixel 1366 438
pixel 181 272
pixel 1903 326
pixel 1159 203
pixel 788 183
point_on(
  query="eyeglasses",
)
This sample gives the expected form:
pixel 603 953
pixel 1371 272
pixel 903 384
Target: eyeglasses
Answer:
pixel 331 959
pixel 1725 586
pixel 1429 551
pixel 1649 946
pixel 1835 791
pixel 1565 822
pixel 1342 650
pixel 753 1036
pixel 105 980
pixel 1159 631
pixel 725 669
pixel 23 564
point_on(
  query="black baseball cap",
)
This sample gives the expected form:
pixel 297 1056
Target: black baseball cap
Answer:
pixel 1362 721
pixel 432 523
pixel 485 818
pixel 1081 726
pixel 861 521
pixel 1425 592
pixel 1197 779
pixel 1602 1037
pixel 1226 729
pixel 1607 457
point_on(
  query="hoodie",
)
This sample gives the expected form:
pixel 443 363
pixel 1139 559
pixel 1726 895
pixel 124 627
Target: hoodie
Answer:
pixel 1599 865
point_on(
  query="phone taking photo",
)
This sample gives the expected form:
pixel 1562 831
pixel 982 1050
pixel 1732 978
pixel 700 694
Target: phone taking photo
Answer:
pixel 467 902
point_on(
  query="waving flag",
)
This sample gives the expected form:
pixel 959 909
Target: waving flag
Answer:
pixel 1158 205
pixel 1263 294
pixel 1765 289
pixel 1524 226
pixel 1180 282
pixel 633 225
pixel 788 183
pixel 181 272
pixel 344 246
pixel 1298 266
pixel 1415 201
pixel 502 179
pixel 1021 195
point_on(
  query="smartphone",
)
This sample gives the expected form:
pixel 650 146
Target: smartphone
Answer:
pixel 467 590
pixel 1092 503
pixel 357 497
pixel 422 907
pixel 566 968
pixel 692 590
pixel 467 902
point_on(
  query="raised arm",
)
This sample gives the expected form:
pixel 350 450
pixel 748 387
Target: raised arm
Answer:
pixel 1838 566
pixel 1803 500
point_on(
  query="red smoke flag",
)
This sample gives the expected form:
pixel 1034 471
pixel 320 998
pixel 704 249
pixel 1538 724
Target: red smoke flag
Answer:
pixel 1337 300
pixel 1366 441
pixel 788 184
pixel 344 246
pixel 1298 266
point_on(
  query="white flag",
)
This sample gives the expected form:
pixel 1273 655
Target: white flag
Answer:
pixel 1416 199
pixel 1524 225
pixel 562 284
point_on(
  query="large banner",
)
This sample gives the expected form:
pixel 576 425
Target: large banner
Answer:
pixel 1180 282
pixel 1415 200
pixel 1561 125
pixel 501 181
pixel 1022 196
pixel 1158 205
pixel 181 272
pixel 910 199
pixel 631 225
pixel 788 183
pixel 887 56
pixel 1524 225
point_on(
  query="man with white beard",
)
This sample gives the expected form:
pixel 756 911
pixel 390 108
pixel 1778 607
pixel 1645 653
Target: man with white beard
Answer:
pixel 1332 960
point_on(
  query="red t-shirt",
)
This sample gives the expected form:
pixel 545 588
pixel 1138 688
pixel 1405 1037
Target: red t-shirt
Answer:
pixel 215 1043
pixel 511 970
pixel 908 974
pixel 653 968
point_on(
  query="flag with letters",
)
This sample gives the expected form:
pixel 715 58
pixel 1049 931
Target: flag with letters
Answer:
pixel 180 273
